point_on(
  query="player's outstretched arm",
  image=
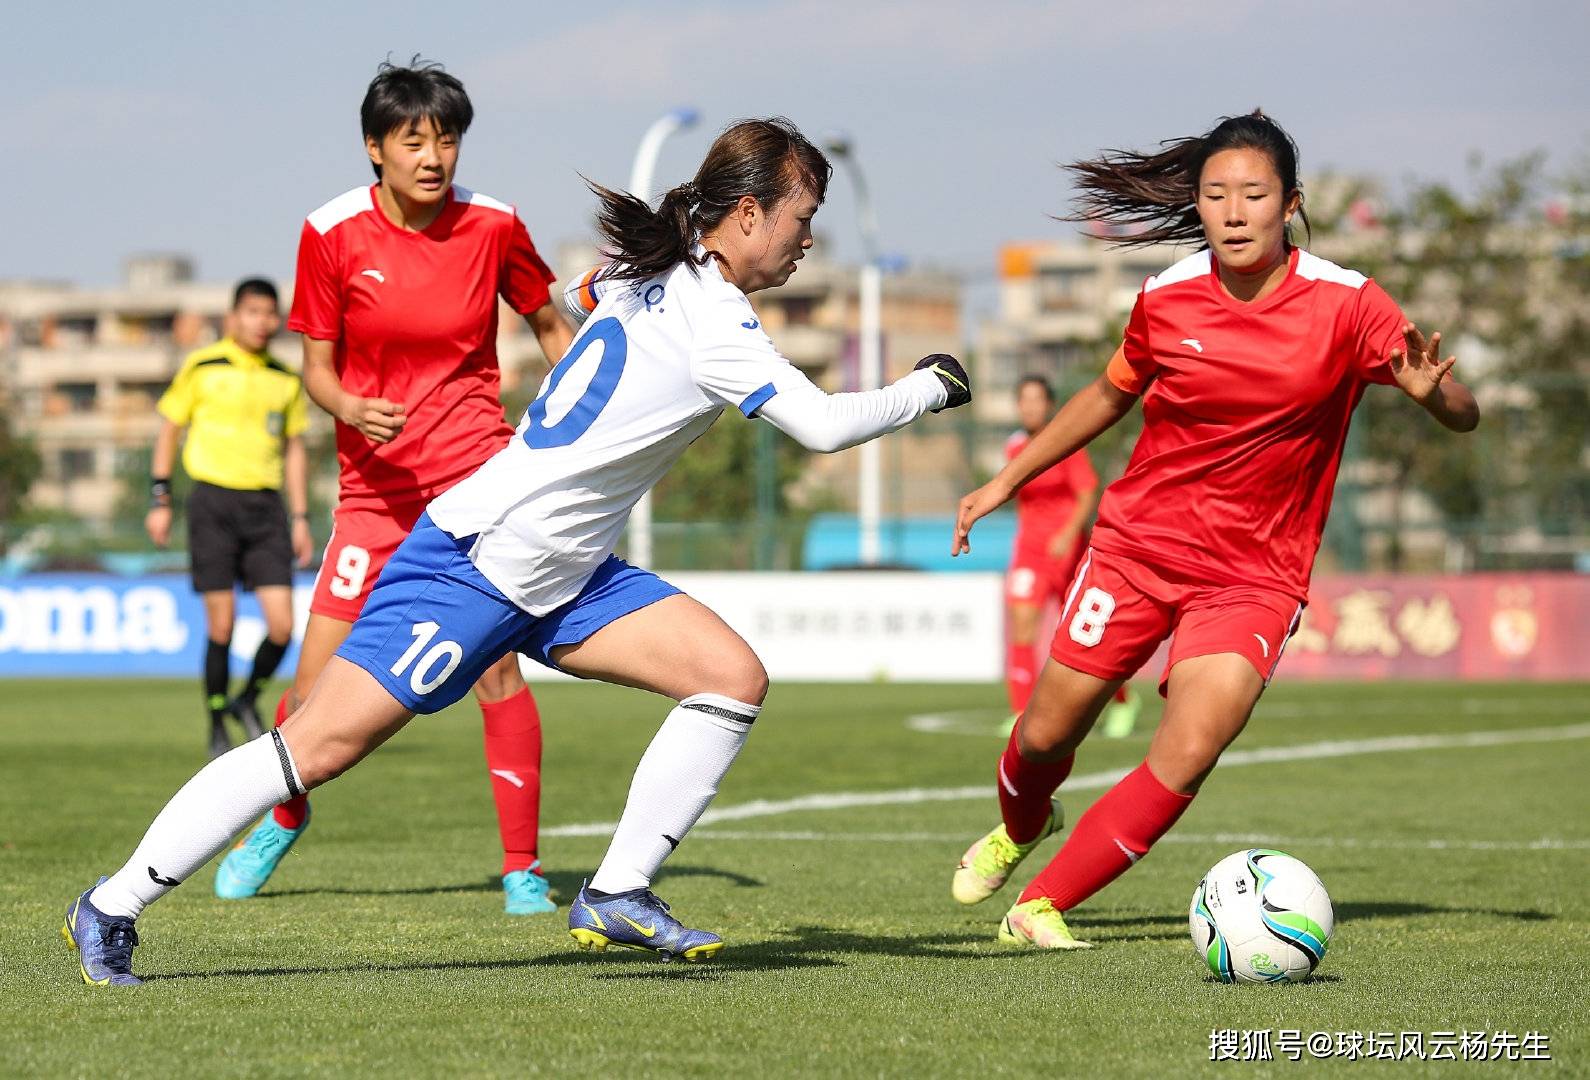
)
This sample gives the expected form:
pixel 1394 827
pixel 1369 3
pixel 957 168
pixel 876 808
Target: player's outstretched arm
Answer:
pixel 1090 411
pixel 1427 379
pixel 826 423
pixel 377 419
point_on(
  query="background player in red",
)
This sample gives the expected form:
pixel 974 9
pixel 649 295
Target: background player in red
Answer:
pixel 1249 356
pixel 1052 515
pixel 396 296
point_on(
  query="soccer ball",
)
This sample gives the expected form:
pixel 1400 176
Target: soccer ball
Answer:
pixel 1261 916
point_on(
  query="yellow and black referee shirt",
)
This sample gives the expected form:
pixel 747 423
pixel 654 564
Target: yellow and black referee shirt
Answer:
pixel 238 406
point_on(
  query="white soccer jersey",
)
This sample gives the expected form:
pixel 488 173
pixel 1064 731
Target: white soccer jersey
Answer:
pixel 653 366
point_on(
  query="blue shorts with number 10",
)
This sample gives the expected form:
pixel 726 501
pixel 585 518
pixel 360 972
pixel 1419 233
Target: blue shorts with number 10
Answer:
pixel 434 624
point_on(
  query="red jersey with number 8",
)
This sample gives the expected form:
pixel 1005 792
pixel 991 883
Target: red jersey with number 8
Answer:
pixel 1245 412
pixel 414 318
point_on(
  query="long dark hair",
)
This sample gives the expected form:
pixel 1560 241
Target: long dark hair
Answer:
pixel 1152 197
pixel 769 160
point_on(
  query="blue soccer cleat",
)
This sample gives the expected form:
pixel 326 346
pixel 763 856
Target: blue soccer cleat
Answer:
pixel 247 867
pixel 104 943
pixel 637 919
pixel 526 892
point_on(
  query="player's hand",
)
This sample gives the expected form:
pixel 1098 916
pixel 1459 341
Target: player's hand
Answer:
pixel 986 499
pixel 1061 543
pixel 1419 368
pixel 303 542
pixel 157 523
pixel 952 375
pixel 377 419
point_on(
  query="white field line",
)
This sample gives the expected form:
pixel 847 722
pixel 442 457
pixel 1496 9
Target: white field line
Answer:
pixel 1250 839
pixel 844 800
pixel 987 723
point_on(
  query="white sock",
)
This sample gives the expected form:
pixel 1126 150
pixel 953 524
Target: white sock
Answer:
pixel 675 780
pixel 224 797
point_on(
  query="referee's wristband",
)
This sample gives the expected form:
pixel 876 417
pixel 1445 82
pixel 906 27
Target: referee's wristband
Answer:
pixel 159 493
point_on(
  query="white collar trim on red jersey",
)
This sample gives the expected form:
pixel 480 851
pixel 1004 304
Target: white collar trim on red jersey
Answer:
pixel 1315 268
pixel 348 204
pixel 1192 267
pixel 475 198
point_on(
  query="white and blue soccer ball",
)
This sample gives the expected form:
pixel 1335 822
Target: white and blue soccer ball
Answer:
pixel 1261 916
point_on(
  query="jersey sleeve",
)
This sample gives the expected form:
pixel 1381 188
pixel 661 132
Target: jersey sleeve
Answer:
pixel 317 288
pixel 1376 331
pixel 1133 367
pixel 526 278
pixel 735 363
pixel 176 404
pixel 583 293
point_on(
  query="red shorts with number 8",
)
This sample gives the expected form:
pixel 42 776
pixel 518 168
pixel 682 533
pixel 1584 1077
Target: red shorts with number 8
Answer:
pixel 363 537
pixel 1118 610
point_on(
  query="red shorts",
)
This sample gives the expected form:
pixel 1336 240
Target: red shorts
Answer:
pixel 1118 611
pixel 1033 578
pixel 363 538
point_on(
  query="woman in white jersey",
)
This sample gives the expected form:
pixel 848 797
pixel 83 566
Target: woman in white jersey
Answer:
pixel 519 555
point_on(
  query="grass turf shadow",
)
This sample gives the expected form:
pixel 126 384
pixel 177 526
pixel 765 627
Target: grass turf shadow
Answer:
pixel 565 885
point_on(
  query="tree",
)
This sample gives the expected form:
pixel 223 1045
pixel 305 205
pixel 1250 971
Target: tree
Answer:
pixel 1503 277
pixel 20 465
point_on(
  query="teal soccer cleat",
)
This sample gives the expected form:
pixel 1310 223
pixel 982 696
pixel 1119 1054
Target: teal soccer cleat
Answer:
pixel 247 867
pixel 526 892
pixel 104 943
pixel 637 919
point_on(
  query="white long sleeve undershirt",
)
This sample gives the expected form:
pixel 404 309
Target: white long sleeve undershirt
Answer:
pixel 828 422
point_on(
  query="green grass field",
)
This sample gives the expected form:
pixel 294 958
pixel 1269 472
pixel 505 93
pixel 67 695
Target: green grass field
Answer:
pixel 1459 876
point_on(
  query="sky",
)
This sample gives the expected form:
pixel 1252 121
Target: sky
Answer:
pixel 213 129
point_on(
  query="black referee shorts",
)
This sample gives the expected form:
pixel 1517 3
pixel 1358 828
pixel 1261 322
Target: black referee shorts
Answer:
pixel 238 536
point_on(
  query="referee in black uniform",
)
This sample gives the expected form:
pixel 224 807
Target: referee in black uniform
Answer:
pixel 245 416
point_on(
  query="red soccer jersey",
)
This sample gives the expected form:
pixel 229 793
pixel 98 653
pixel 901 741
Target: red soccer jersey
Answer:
pixel 1245 410
pixel 1046 503
pixel 414 316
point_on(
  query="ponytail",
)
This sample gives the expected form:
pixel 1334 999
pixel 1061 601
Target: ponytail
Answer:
pixel 768 160
pixel 644 242
pixel 1152 198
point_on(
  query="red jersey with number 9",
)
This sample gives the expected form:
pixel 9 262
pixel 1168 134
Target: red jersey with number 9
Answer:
pixel 1245 412
pixel 414 318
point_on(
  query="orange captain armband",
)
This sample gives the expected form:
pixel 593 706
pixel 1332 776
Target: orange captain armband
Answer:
pixel 587 288
pixel 1122 375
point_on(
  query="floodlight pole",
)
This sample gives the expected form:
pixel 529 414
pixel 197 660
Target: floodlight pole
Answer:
pixel 869 494
pixel 641 176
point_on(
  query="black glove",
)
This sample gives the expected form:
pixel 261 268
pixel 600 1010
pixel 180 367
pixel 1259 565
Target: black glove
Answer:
pixel 952 375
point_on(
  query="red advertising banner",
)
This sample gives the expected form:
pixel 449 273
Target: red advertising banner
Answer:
pixel 1443 626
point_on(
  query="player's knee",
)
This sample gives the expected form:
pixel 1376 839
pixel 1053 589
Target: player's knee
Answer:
pixel 746 681
pixel 500 681
pixel 1037 741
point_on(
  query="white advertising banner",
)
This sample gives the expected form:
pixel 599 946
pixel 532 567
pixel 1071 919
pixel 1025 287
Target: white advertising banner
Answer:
pixel 857 625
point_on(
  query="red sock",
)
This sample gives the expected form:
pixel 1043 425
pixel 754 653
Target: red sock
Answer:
pixel 290 814
pixel 1021 673
pixel 1024 790
pixel 1114 833
pixel 513 763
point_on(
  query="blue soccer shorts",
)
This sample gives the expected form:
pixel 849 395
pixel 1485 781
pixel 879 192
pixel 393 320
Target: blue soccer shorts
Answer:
pixel 434 624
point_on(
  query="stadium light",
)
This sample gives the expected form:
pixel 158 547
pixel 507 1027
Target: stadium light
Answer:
pixel 641 176
pixel 869 497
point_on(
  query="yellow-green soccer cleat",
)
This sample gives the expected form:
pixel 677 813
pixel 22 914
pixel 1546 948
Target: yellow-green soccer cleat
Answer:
pixel 1038 924
pixel 988 864
pixel 1120 717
